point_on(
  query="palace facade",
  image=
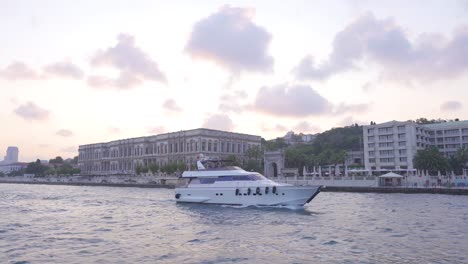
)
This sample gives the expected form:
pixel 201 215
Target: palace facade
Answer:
pixel 123 156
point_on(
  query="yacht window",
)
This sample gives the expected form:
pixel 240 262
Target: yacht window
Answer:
pixel 207 180
pixel 250 177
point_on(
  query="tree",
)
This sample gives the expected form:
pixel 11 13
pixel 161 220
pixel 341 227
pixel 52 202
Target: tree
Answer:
pixel 430 159
pixel 56 162
pixel 36 168
pixel 141 169
pixel 232 160
pixel 153 167
pixel 458 161
pixel 276 144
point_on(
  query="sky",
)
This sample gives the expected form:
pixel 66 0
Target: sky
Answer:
pixel 81 72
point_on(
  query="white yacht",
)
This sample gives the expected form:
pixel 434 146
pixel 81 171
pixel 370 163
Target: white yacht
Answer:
pixel 235 186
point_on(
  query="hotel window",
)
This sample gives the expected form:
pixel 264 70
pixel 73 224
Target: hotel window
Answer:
pixel 386 152
pixel 403 136
pixel 372 160
pixel 403 159
pixel 238 148
pixel 452 139
pixel 387 159
pixel 370 131
pixel 371 153
pixel 203 146
pixel 371 145
pixel 451 132
pixel 181 147
pixel 370 138
pixel 386 144
pixel 402 152
pixel 465 131
pixel 401 128
pixel 209 145
pixel 222 146
pixel 215 147
pixel 385 130
pixel 386 137
pixel 233 148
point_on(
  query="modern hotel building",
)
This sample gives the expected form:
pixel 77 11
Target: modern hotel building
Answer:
pixel 393 145
pixel 123 156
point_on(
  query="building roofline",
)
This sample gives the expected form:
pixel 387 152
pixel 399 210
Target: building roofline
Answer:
pixel 168 134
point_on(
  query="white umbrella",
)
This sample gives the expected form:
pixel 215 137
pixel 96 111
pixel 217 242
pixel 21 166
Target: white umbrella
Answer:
pixel 391 175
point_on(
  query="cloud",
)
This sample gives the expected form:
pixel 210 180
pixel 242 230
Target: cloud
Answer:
pixel 383 42
pixel 19 71
pixel 451 106
pixel 219 121
pixel 71 149
pixel 64 69
pixel 171 105
pixel 64 133
pixel 113 130
pixel 294 101
pixel 276 128
pixel 135 65
pixel 31 111
pixel 230 102
pixel 156 130
pixel 231 39
pixel 344 108
pixel 305 127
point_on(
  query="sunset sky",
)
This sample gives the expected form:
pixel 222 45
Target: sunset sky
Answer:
pixel 80 72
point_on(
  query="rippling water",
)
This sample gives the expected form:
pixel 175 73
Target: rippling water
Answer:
pixel 76 224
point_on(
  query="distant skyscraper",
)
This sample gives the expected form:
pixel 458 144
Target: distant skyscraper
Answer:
pixel 11 155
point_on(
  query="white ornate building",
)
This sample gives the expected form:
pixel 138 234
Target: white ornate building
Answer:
pixel 393 145
pixel 123 156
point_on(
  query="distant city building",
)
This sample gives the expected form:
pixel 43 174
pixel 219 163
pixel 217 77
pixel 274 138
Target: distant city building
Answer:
pixel 291 138
pixel 11 167
pixel 393 145
pixel 123 156
pixel 11 155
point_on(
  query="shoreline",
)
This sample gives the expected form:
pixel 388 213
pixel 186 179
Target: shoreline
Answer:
pixel 449 191
pixel 137 185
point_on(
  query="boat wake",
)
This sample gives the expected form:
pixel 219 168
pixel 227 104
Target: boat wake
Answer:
pixel 289 207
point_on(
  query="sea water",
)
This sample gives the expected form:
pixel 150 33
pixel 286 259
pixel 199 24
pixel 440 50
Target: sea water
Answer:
pixel 83 224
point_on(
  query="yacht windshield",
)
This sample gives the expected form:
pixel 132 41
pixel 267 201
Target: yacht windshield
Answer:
pixel 249 177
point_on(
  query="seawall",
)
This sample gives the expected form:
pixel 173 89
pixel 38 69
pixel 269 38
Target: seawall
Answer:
pixel 453 191
pixel 138 185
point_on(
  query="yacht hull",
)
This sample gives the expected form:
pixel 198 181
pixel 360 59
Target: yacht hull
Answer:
pixel 261 196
